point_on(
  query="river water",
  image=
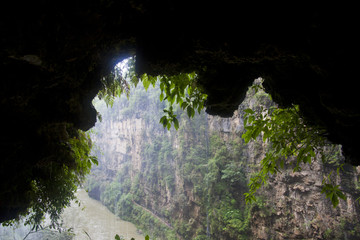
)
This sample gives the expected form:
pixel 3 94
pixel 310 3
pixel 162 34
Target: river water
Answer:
pixel 89 221
pixel 94 221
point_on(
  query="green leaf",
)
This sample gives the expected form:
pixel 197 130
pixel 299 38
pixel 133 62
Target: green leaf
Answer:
pixel 282 163
pixel 165 122
pixel 335 200
pixel 341 195
pixel 145 81
pixel 246 136
pixel 147 237
pixel 184 105
pixel 153 81
pixel 189 111
pixel 192 112
pixel 179 100
pixel 94 160
pixel 176 123
pixel 162 86
pixel 189 90
pixel 162 119
pixel 333 193
pixel 251 119
pixel 117 237
pixel 161 96
pixel 249 111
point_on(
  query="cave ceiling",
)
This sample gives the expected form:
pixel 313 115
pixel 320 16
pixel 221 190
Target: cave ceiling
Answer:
pixel 55 52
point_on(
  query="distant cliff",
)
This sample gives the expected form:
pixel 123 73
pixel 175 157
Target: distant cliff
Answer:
pixel 189 184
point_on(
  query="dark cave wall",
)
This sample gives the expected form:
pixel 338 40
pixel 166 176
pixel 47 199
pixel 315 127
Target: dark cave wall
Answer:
pixel 305 53
pixel 54 54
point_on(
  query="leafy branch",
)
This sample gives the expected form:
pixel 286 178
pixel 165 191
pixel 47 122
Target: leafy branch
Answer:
pixel 288 136
pixel 118 81
pixel 332 191
pixel 61 173
pixel 180 89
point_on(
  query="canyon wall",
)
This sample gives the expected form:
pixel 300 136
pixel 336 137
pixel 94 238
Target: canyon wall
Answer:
pixel 189 184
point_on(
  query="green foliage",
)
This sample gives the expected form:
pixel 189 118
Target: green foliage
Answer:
pixel 347 228
pixel 327 233
pixel 117 237
pixel 332 191
pixel 225 181
pixel 118 81
pixel 123 197
pixel 20 231
pixel 233 173
pixel 54 186
pixel 169 118
pixel 180 89
pixel 229 219
pixel 80 147
pixel 290 138
pixel 213 168
pixel 195 158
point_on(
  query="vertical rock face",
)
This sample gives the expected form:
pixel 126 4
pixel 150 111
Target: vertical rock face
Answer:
pixel 120 142
pixel 169 180
pixel 300 211
pixel 296 208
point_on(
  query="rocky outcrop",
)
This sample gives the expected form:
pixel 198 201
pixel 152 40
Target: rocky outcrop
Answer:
pixel 121 141
pixel 295 208
pixel 300 211
pixel 291 204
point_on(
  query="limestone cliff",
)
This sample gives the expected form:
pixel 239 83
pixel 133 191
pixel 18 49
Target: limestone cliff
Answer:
pixel 188 184
pixel 296 209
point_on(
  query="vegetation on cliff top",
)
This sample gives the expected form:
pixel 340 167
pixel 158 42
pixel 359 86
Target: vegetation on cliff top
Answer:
pixel 213 170
pixel 288 133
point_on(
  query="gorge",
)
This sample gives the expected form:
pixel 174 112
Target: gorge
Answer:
pixel 56 54
pixel 189 183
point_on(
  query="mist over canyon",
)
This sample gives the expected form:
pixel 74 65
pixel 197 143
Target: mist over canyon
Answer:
pixel 189 183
